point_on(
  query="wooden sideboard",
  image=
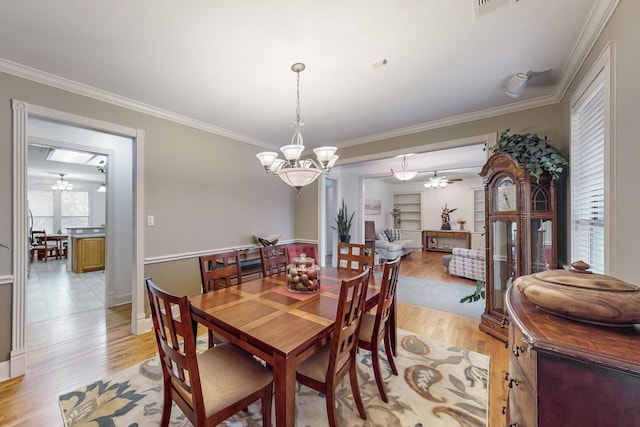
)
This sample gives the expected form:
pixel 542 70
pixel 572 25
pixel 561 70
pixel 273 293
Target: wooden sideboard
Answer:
pixel 445 234
pixel 567 373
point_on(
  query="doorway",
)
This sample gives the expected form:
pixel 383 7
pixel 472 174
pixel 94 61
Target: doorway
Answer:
pixel 124 206
pixel 54 289
pixel 331 197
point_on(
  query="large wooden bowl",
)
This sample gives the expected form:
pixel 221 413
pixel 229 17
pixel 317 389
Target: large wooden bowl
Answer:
pixel 580 295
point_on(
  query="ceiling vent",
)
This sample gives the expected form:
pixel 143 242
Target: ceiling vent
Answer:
pixel 481 7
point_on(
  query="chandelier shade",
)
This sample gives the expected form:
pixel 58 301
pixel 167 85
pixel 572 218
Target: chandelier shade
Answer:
pixel 298 177
pixel 404 175
pixel 293 170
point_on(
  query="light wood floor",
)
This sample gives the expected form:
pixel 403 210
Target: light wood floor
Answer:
pixel 74 350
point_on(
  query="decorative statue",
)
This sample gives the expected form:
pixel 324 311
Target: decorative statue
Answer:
pixel 446 225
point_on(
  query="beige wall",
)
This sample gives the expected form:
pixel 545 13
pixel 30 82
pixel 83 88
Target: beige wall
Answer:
pixel 543 120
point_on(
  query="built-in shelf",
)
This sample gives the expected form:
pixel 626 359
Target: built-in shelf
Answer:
pixel 410 207
pixel 478 210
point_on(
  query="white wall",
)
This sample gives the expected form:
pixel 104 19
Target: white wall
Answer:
pixel 98 209
pixel 378 190
pixel 457 196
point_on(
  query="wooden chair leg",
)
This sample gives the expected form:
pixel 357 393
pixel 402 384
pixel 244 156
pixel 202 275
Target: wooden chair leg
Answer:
pixel 375 362
pixel 330 398
pixel 388 350
pixel 166 407
pixel 355 389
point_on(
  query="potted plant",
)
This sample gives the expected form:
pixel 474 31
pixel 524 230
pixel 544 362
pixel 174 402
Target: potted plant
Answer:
pixel 395 214
pixel 533 152
pixel 343 223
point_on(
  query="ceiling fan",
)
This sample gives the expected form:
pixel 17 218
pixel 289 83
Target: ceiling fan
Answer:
pixel 518 81
pixel 436 181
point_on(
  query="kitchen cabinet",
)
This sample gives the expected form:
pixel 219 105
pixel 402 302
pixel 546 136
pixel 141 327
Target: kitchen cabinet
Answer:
pixel 88 254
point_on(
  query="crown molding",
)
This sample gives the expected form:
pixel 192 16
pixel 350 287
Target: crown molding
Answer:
pixel 58 82
pixel 598 18
pixel 456 120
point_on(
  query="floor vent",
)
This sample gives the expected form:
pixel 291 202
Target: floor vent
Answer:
pixel 481 7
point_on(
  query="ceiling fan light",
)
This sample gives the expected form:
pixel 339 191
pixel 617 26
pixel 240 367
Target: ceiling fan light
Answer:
pixel 516 84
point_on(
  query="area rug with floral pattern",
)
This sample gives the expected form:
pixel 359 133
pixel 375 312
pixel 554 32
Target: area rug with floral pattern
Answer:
pixel 437 385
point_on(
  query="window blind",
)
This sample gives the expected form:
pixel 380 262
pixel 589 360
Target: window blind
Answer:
pixel 587 171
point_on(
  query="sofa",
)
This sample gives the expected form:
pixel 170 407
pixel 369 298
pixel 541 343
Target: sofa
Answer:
pixel 467 263
pixel 392 243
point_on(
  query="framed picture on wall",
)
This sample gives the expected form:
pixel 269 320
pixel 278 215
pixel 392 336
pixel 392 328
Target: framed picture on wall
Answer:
pixel 372 207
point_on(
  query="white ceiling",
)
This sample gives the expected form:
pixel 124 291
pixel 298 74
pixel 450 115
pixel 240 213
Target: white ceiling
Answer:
pixel 224 66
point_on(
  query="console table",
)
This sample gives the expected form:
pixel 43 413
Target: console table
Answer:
pixel 445 234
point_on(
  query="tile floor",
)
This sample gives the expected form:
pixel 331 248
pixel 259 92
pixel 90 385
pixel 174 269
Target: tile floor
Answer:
pixel 52 291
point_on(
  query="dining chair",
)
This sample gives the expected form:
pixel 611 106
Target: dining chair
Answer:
pixel 294 251
pixel 355 257
pixel 40 245
pixel 218 271
pixel 324 369
pixel 378 327
pixel 208 387
pixel 274 260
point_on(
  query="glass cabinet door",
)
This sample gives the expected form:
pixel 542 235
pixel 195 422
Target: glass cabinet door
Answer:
pixel 541 245
pixel 504 261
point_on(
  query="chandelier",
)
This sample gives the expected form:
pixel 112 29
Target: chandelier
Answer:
pixel 436 181
pixel 62 185
pixel 404 175
pixel 293 170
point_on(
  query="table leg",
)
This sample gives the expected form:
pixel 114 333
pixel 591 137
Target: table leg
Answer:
pixel 284 381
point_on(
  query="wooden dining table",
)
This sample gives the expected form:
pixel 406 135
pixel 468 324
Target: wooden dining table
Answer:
pixel 281 327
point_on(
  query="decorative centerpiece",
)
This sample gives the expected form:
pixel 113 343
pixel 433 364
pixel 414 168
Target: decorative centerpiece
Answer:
pixel 302 275
pixel 583 296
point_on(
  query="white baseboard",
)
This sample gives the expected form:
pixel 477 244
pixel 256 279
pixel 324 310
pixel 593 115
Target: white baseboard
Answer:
pixel 4 370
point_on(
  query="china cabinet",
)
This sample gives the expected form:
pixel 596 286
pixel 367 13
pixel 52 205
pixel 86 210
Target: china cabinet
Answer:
pixel 520 213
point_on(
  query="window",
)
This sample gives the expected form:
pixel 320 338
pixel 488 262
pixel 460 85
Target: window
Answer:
pixel 53 211
pixel 74 209
pixel 588 171
pixel 41 207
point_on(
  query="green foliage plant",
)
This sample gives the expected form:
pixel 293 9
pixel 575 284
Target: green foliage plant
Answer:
pixel 395 214
pixel 533 152
pixel 343 220
pixel 479 293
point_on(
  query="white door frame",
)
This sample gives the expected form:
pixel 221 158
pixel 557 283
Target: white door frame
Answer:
pixel 21 112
